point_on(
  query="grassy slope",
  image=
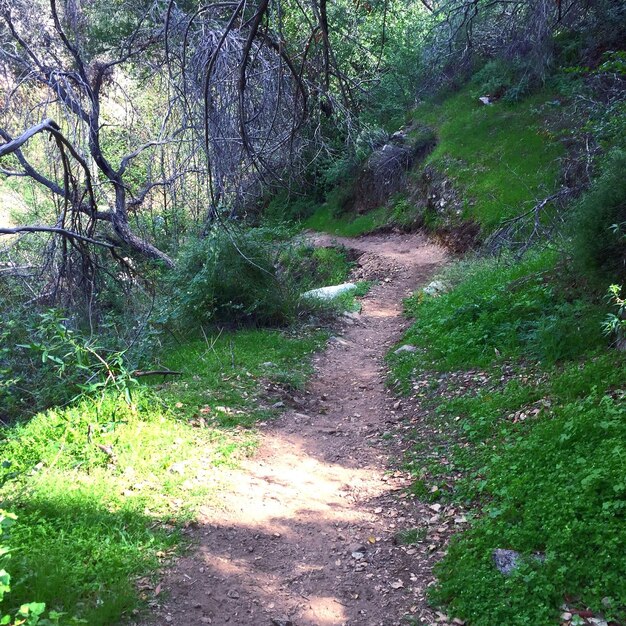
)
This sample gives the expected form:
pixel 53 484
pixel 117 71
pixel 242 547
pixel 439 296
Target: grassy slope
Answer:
pixel 536 449
pixel 526 413
pixel 501 157
pixel 323 220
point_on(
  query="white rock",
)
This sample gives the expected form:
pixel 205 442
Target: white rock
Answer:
pixel 405 348
pixel 329 293
pixel 436 288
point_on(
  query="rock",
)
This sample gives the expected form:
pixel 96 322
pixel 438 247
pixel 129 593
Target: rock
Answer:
pixel 329 293
pixel 486 100
pixel 405 348
pixel 358 551
pixel 436 288
pixel 278 405
pixel 508 560
pixel 233 593
pixel 282 622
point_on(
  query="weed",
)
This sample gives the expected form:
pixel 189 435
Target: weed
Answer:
pixel 410 536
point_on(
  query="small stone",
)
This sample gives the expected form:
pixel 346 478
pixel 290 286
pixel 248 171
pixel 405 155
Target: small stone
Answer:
pixel 282 622
pixel 506 560
pixel 566 616
pixel 436 287
pixel 233 593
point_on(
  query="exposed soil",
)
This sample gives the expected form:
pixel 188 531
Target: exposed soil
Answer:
pixel 306 534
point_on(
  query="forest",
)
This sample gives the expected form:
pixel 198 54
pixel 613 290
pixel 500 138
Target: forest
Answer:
pixel 193 431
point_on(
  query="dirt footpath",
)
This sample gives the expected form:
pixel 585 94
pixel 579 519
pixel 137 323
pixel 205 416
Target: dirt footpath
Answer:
pixel 306 535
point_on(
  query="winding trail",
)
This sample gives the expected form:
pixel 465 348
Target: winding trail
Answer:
pixel 305 533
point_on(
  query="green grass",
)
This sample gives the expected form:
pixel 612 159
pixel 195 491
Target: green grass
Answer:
pixel 505 309
pixel 102 489
pixel 502 157
pixel 323 220
pixel 225 373
pixel 411 536
pixel 535 445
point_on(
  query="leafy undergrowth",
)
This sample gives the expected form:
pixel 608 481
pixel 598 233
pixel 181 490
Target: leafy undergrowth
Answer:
pixel 346 225
pixel 103 489
pixel 526 424
pixel 502 156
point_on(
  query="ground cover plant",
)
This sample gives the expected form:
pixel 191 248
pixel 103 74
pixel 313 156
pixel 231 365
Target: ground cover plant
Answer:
pixel 534 448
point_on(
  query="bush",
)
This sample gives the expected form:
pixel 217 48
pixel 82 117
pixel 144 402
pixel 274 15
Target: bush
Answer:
pixel 43 353
pixel 285 206
pixel 503 79
pixel 251 276
pixel 307 267
pixel 599 249
pixel 230 278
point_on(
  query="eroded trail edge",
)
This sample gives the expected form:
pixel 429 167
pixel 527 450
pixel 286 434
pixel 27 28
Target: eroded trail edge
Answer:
pixel 305 533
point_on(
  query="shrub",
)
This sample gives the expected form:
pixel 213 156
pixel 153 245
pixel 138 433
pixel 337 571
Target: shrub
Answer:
pixel 599 249
pixel 43 353
pixel 502 79
pixel 285 206
pixel 230 278
pixel 251 276
pixel 307 267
